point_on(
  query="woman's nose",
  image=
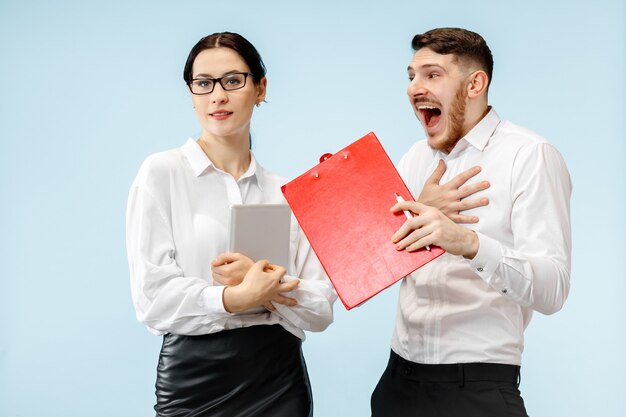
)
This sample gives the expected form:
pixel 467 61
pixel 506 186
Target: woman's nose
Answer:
pixel 219 95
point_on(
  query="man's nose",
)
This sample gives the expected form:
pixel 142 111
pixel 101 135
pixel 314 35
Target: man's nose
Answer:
pixel 416 88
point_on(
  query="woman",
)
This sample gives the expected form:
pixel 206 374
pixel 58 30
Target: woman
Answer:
pixel 220 355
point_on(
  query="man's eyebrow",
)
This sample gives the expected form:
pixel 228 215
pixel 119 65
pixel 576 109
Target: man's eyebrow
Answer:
pixel 426 67
pixel 432 66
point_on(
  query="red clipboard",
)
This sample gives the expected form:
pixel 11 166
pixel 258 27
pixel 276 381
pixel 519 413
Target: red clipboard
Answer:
pixel 343 205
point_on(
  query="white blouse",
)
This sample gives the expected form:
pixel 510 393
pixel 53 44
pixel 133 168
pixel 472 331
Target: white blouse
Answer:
pixel 177 222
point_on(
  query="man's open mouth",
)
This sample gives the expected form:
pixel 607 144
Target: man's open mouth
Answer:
pixel 430 114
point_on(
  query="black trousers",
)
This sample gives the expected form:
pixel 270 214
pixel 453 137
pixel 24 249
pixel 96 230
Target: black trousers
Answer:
pixel 456 390
pixel 249 372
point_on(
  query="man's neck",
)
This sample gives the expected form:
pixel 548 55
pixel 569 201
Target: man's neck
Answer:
pixel 474 116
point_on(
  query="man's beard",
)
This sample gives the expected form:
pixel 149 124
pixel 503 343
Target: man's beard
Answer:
pixel 456 120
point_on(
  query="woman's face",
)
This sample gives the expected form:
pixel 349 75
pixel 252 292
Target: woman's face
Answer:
pixel 222 113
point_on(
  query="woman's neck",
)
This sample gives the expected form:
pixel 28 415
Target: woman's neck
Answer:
pixel 229 154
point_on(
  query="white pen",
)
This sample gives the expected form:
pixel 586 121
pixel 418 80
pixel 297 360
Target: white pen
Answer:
pixel 407 213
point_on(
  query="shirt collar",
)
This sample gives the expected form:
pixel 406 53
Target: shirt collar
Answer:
pixel 255 171
pixel 480 134
pixel 200 163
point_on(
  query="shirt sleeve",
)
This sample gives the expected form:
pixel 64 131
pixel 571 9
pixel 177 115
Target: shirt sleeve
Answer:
pixel 535 271
pixel 315 294
pixel 165 300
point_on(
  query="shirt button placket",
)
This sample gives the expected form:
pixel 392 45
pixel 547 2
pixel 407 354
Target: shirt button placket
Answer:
pixel 232 190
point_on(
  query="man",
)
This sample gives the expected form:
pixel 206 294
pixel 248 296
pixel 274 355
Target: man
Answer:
pixel 458 339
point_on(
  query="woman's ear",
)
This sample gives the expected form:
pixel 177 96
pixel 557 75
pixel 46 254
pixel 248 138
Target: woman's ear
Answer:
pixel 261 90
pixel 478 82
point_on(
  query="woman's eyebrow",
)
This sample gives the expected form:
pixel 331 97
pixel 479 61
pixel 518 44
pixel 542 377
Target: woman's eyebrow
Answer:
pixel 203 75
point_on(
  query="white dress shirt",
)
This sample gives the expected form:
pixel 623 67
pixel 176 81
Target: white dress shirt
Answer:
pixel 178 221
pixel 454 310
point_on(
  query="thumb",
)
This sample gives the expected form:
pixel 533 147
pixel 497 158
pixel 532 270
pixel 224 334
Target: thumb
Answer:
pixel 435 177
pixel 289 286
pixel 259 266
pixel 222 259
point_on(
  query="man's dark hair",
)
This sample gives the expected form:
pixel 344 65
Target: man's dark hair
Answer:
pixel 463 44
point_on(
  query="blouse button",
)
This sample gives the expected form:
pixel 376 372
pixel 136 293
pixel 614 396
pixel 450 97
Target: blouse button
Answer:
pixel 480 269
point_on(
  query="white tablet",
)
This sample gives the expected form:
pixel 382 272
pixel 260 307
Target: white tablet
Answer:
pixel 261 231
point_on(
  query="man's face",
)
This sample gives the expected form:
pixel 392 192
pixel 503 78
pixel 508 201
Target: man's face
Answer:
pixel 438 94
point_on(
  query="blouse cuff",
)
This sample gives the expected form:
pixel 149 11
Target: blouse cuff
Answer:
pixel 213 300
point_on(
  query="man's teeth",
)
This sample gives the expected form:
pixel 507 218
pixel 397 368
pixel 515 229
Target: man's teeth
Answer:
pixel 425 107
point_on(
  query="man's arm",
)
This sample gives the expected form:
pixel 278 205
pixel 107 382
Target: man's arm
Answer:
pixel 535 270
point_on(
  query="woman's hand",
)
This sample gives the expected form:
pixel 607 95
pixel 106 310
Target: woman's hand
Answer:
pixel 230 268
pixel 450 198
pixel 261 286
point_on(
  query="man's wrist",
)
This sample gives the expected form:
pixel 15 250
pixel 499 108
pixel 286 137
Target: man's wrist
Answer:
pixel 472 245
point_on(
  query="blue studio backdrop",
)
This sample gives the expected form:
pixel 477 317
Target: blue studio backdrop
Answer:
pixel 89 89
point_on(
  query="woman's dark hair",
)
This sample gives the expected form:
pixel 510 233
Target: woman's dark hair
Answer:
pixel 234 41
pixel 464 44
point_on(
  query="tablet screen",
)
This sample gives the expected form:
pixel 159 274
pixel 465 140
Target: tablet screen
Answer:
pixel 261 231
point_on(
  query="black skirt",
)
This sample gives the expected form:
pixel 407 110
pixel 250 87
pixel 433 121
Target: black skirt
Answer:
pixel 248 372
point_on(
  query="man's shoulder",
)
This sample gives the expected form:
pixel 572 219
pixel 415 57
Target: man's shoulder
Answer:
pixel 520 134
pixel 527 146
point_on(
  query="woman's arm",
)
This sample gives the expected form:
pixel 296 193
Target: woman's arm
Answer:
pixel 165 299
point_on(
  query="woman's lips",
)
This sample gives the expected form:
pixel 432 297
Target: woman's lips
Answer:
pixel 221 114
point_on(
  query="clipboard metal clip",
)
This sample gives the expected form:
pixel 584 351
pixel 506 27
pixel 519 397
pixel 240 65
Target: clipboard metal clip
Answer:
pixel 326 156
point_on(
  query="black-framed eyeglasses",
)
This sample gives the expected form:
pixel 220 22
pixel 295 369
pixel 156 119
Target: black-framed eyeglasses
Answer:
pixel 230 82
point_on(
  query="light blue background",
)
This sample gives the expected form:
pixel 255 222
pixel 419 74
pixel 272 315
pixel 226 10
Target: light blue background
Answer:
pixel 89 89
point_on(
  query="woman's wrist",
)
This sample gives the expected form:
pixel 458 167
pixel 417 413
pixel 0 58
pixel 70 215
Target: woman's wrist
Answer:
pixel 232 300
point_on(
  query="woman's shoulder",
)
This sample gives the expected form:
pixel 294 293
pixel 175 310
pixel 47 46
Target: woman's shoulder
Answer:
pixel 269 177
pixel 271 184
pixel 273 178
pixel 159 166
